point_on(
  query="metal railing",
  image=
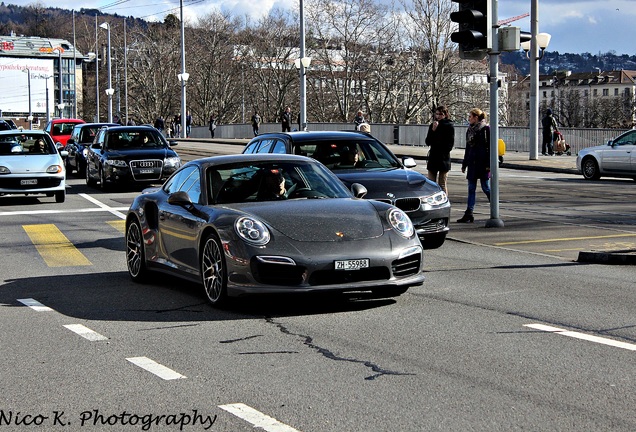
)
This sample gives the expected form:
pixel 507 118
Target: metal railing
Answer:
pixel 517 139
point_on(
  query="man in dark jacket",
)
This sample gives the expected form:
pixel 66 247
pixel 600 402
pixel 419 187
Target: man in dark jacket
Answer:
pixel 286 120
pixel 549 127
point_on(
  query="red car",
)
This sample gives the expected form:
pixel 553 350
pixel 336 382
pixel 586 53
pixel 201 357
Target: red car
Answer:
pixel 61 129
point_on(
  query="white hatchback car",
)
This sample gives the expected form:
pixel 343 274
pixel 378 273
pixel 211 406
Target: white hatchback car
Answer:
pixel 30 164
pixel 617 158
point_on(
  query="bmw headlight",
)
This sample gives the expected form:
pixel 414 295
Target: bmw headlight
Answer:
pixel 172 162
pixel 54 169
pixel 252 231
pixel 116 162
pixel 435 199
pixel 401 223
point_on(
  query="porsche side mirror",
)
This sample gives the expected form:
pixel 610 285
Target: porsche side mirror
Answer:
pixel 180 198
pixel 358 190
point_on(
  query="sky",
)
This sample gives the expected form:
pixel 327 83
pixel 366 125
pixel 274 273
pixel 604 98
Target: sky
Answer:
pixel 576 26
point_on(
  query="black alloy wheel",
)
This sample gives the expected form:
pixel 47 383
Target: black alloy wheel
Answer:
pixel 213 271
pixel 135 254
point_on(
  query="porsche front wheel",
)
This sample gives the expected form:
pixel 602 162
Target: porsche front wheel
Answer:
pixel 213 271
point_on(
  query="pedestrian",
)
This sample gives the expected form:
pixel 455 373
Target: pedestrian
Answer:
pixel 286 119
pixel 177 125
pixel 549 127
pixel 212 125
pixel 476 163
pixel 160 124
pixel 440 139
pixel 256 122
pixel 358 120
pixel 188 124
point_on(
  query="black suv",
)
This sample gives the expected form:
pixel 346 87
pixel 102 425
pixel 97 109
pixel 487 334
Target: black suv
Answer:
pixel 358 157
pixel 129 155
pixel 77 146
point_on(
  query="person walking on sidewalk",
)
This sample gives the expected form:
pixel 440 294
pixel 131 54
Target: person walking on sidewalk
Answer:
pixel 476 163
pixel 549 127
pixel 441 139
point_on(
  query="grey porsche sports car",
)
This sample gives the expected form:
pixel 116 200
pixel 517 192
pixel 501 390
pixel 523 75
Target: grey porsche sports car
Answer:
pixel 252 224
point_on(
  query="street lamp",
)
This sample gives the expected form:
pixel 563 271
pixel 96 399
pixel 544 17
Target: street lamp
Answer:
pixel 183 79
pixel 60 107
pixel 28 72
pixel 109 90
pixel 183 76
pixel 302 64
pixel 537 41
pixel 46 83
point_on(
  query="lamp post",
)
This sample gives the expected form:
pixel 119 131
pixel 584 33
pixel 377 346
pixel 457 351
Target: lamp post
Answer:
pixel 301 64
pixel 46 83
pixel 183 76
pixel 28 72
pixel 125 76
pixel 74 70
pixel 96 71
pixel 537 41
pixel 109 91
pixel 183 79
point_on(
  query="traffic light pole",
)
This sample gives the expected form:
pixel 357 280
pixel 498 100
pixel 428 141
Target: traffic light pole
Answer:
pixel 494 221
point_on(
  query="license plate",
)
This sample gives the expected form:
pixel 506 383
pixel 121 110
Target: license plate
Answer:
pixel 355 264
pixel 29 182
pixel 146 171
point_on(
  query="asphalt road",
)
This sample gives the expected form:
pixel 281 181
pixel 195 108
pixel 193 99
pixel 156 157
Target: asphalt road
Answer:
pixel 501 336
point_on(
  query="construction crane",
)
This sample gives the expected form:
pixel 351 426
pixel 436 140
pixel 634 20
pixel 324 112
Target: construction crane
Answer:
pixel 512 19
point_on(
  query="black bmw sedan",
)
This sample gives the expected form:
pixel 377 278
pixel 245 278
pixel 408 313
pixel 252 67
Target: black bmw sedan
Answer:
pixel 130 155
pixel 358 157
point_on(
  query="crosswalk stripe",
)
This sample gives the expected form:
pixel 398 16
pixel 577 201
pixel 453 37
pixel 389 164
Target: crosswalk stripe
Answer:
pixel 85 332
pixel 54 247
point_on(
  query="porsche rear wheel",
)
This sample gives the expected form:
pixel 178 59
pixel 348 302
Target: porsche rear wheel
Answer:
pixel 135 254
pixel 213 271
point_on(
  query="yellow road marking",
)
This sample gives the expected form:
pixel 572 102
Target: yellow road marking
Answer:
pixel 119 225
pixel 564 239
pixel 54 247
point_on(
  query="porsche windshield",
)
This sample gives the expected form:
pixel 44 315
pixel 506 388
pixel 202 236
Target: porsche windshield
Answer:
pixel 265 181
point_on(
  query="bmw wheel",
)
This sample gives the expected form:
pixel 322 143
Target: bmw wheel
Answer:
pixel 102 180
pixel 89 179
pixel 135 254
pixel 590 169
pixel 213 272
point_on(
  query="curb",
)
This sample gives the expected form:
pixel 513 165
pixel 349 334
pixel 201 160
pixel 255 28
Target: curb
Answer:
pixel 627 257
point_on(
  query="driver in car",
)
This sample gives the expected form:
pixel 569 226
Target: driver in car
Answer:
pixel 349 157
pixel 272 186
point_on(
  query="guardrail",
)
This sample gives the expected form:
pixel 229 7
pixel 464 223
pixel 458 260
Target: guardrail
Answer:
pixel 516 138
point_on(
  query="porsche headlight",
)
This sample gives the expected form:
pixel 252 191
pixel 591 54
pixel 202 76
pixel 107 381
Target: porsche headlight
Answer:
pixel 54 169
pixel 252 231
pixel 435 199
pixel 116 162
pixel 400 223
pixel 172 162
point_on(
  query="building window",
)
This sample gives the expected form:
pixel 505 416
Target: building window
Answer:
pixel 545 94
pixel 605 92
pixel 552 94
pixel 615 92
pixel 595 92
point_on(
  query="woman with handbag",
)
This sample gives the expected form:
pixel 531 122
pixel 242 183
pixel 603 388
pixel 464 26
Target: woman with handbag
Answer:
pixel 476 162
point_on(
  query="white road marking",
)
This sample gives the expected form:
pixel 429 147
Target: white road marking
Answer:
pixel 583 336
pixel 257 418
pixel 155 368
pixel 85 332
pixel 84 210
pixel 35 305
pixel 104 206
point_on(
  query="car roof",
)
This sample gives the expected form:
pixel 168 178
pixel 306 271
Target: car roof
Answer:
pixel 24 132
pixel 261 157
pixel 96 124
pixel 120 128
pixel 300 136
pixel 67 120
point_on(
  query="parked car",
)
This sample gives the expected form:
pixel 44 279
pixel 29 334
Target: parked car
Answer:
pixel 7 124
pixel 130 154
pixel 30 164
pixel 617 158
pixel 77 145
pixel 386 177
pixel 258 224
pixel 61 129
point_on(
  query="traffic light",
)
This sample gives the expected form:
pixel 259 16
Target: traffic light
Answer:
pixel 474 34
